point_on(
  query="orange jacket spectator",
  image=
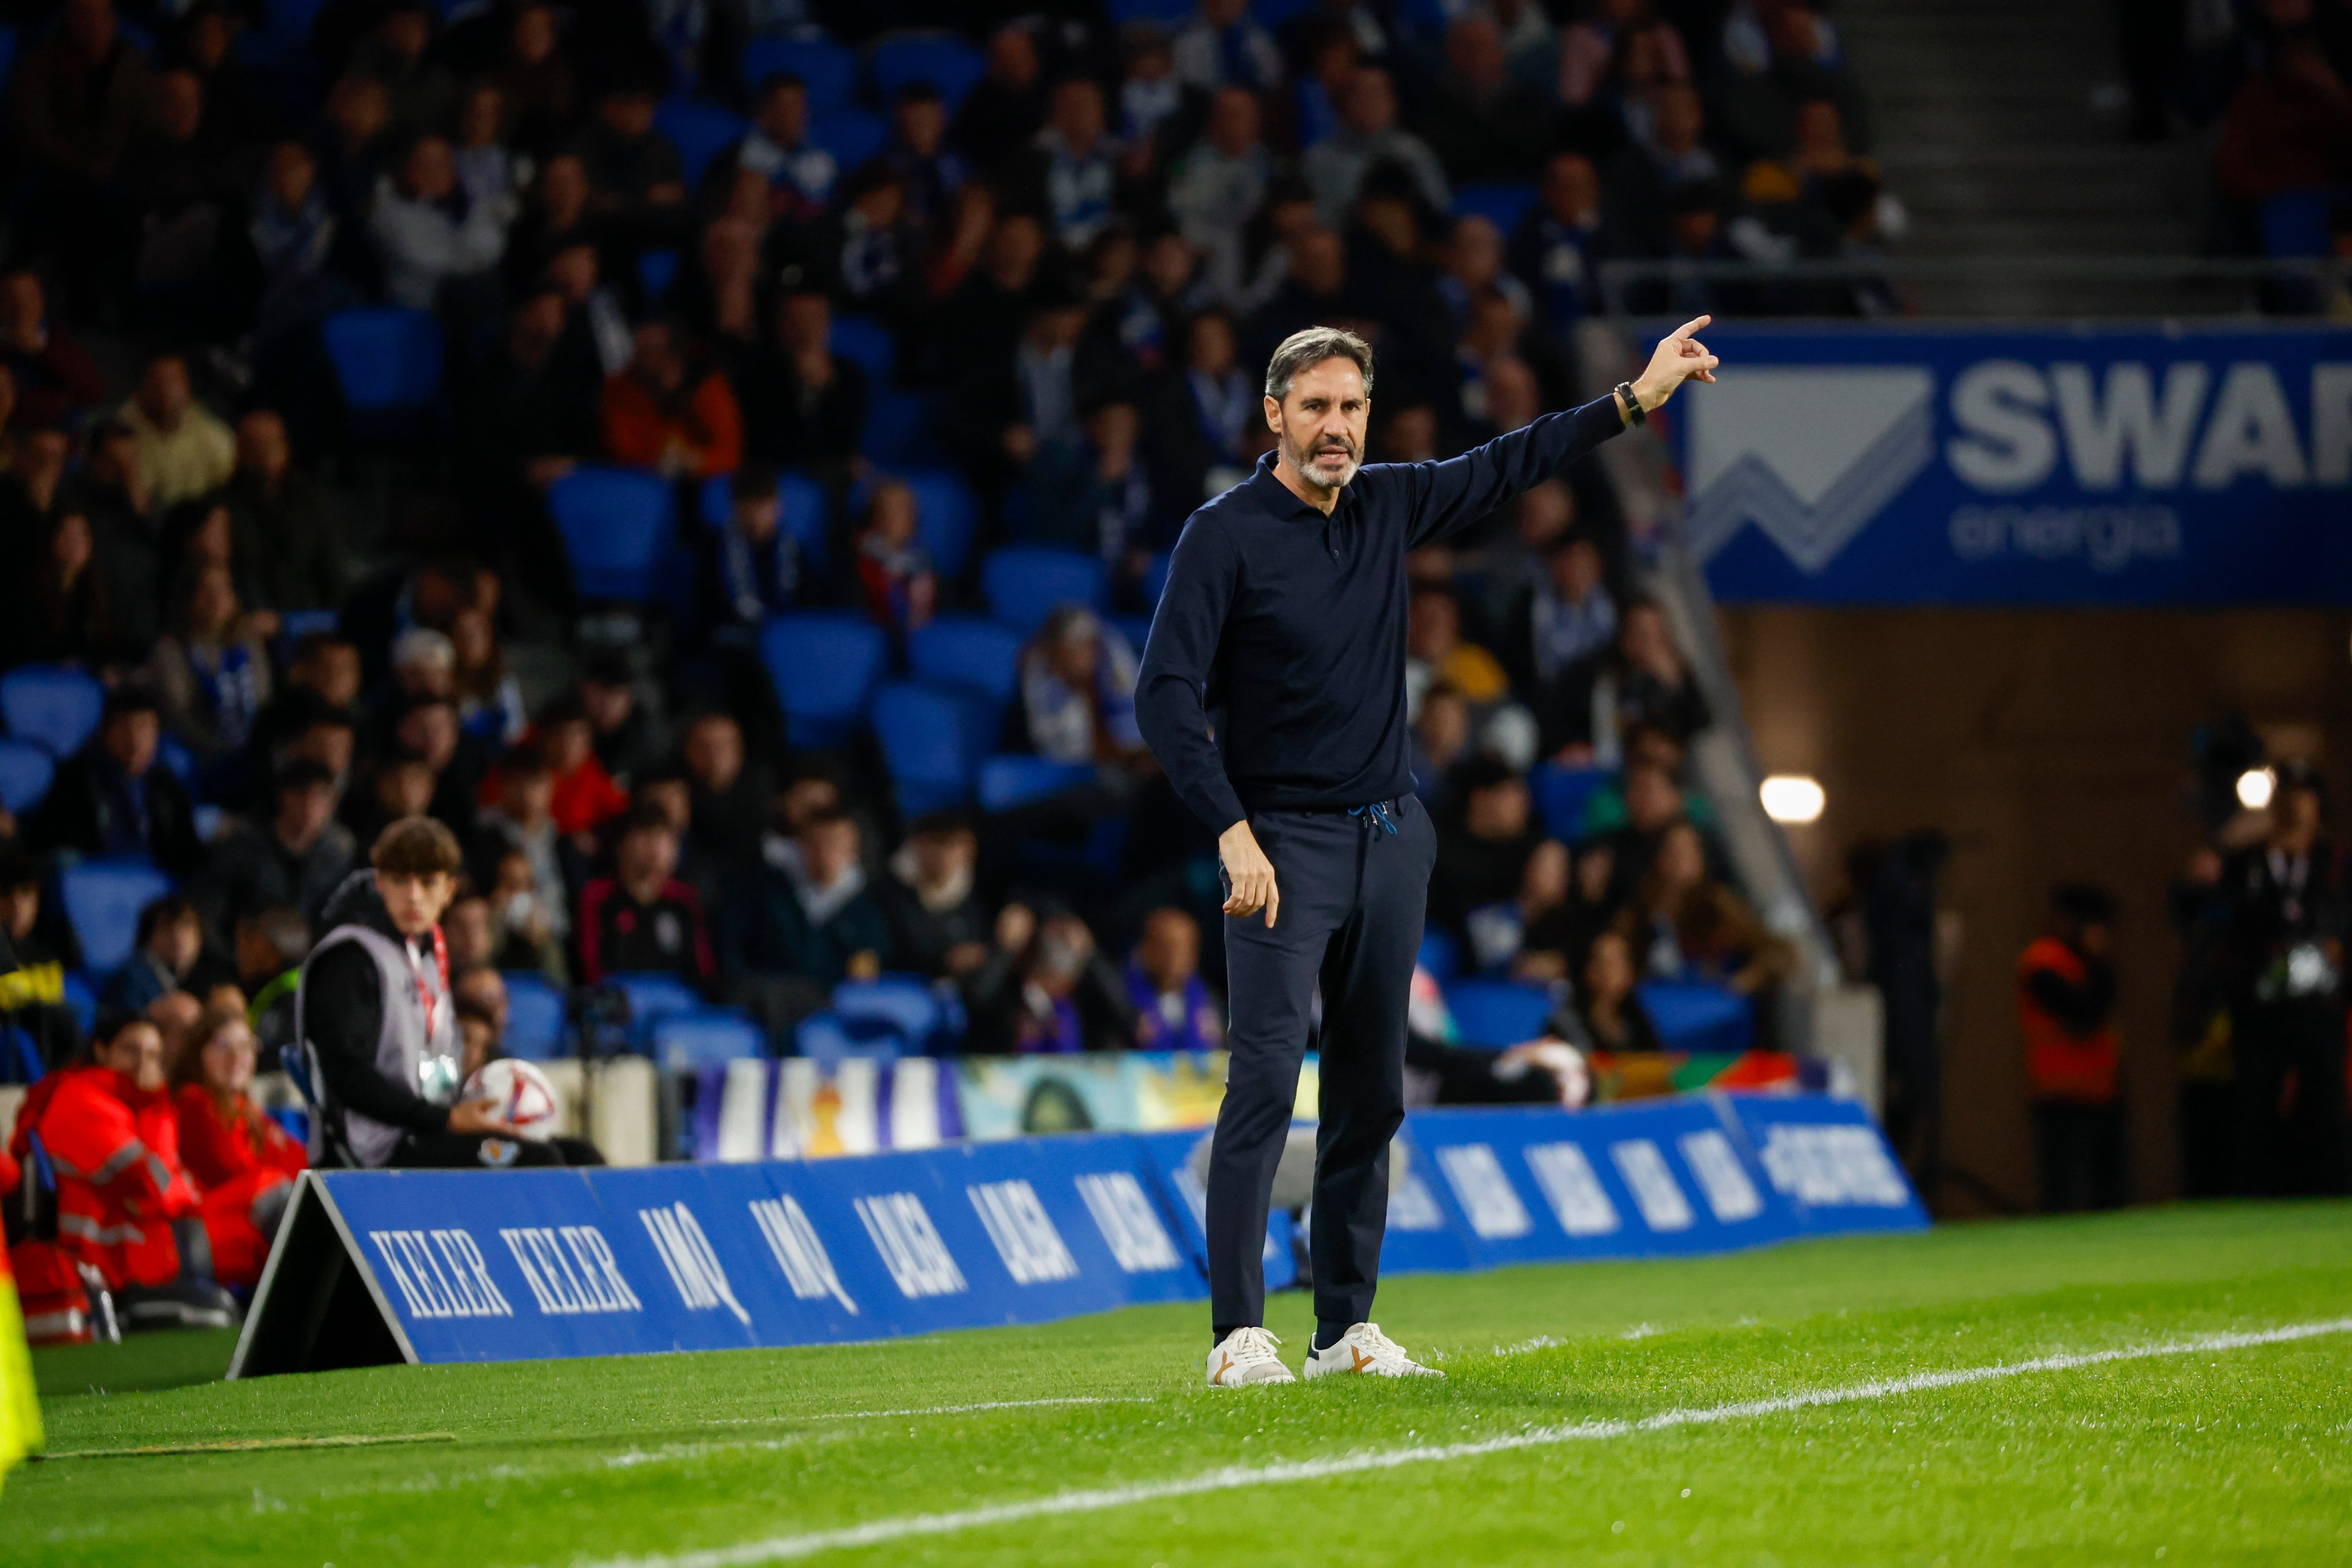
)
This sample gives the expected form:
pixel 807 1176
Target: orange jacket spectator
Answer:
pixel 2288 129
pixel 116 1151
pixel 663 414
pixel 219 1146
pixel 2063 1010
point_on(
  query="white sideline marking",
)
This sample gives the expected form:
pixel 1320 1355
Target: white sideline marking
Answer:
pixel 929 1410
pixel 780 1548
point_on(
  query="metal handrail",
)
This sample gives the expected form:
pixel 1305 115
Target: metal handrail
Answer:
pixel 1613 277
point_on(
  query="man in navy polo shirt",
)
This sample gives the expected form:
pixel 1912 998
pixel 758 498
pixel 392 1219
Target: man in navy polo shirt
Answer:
pixel 1273 694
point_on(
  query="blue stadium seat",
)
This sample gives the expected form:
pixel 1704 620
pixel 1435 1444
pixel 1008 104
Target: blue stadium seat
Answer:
pixel 1011 779
pixel 653 997
pixel 1171 14
pixel 804 514
pixel 1022 583
pixel 946 514
pixel 614 523
pixel 2294 223
pixel 699 131
pixel 656 271
pixel 708 1036
pixel 293 626
pixel 1498 1012
pixel 949 64
pixel 1441 956
pixel 900 427
pixel 1693 1016
pixel 825 663
pixel 1561 795
pixel 1503 201
pixel 26 770
pixel 869 344
pixel 51 705
pixel 1136 629
pixel 921 730
pixel 969 651
pixel 387 358
pixel 904 1002
pixel 534 1017
pixel 173 753
pixel 1155 576
pixel 850 135
pixel 103 900
pixel 828 69
pixel 828 1038
pixel 81 998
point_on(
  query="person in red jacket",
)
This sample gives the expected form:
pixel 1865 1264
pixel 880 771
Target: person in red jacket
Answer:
pixel 2065 1010
pixel 125 1206
pixel 243 1164
pixel 670 412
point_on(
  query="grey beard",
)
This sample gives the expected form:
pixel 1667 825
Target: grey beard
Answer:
pixel 1302 461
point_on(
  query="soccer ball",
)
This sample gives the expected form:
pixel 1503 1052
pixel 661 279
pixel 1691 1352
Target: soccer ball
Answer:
pixel 521 1095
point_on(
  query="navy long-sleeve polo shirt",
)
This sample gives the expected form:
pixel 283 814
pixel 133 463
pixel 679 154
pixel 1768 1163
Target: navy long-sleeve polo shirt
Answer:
pixel 1274 677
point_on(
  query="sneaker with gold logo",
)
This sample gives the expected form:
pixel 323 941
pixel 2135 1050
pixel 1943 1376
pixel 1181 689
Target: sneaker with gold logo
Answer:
pixel 1365 1349
pixel 1247 1356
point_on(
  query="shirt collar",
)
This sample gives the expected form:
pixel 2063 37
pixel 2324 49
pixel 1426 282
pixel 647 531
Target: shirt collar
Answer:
pixel 1282 502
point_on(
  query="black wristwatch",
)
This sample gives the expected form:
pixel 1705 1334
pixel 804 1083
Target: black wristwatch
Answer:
pixel 1634 412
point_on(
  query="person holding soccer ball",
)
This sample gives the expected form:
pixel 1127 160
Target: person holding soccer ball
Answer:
pixel 1271 692
pixel 378 1022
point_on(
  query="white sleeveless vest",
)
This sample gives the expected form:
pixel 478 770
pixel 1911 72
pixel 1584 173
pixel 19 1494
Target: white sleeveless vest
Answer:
pixel 425 1065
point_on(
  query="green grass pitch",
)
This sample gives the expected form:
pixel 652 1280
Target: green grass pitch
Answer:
pixel 2207 1451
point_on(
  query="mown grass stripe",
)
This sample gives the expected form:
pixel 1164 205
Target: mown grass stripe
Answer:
pixel 1231 1477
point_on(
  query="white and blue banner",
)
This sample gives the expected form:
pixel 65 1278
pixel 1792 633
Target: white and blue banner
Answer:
pixel 2059 464
pixel 463 1266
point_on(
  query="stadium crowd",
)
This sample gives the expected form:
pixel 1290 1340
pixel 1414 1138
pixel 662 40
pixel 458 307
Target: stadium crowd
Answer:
pixel 901 333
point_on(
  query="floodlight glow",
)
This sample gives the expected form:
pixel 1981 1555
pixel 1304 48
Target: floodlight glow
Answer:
pixel 1792 797
pixel 2254 787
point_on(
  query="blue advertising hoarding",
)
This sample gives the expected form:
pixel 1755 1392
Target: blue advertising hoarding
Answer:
pixel 2060 465
pixel 464 1266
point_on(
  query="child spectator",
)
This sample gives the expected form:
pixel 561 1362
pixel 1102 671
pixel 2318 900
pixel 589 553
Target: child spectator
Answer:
pixel 750 569
pixel 1174 1011
pixel 894 570
pixel 243 1162
pixel 584 796
pixel 171 938
pixel 641 919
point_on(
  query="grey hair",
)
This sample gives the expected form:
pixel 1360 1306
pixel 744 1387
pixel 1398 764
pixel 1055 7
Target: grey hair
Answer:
pixel 1303 349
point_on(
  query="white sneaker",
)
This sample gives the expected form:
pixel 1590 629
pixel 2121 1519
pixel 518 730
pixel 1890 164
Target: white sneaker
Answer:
pixel 1247 1356
pixel 1366 1350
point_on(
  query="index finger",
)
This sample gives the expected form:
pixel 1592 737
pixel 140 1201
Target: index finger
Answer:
pixel 1273 902
pixel 1693 324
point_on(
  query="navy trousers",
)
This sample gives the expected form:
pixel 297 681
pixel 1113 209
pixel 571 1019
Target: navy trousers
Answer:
pixel 1354 887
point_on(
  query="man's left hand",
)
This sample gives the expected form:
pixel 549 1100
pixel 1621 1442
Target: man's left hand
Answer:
pixel 1678 358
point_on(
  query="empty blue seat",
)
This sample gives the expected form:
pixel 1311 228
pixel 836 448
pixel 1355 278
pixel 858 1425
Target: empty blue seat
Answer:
pixel 1441 956
pixel 825 663
pixel 653 997
pixel 699 131
pixel 1498 1012
pixel 1022 583
pixel 656 269
pixel 81 998
pixel 949 64
pixel 1503 202
pixel 2294 223
pixel 708 1036
pixel 1010 779
pixel 904 1002
pixel 51 705
pixel 103 900
pixel 851 136
pixel 968 651
pixel 827 69
pixel 899 426
pixel 1561 795
pixel 614 523
pixel 946 514
pixel 534 1017
pixel 386 357
pixel 1693 1016
pixel 829 1038
pixel 921 730
pixel 869 344
pixel 26 770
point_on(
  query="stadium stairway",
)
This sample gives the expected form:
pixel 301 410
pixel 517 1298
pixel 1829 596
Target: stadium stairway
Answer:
pixel 2001 124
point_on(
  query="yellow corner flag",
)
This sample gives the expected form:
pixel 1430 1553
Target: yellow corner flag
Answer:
pixel 20 1410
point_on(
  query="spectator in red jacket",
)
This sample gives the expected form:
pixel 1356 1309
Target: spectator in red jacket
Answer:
pixel 242 1162
pixel 671 415
pixel 586 797
pixel 2288 129
pixel 125 1206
